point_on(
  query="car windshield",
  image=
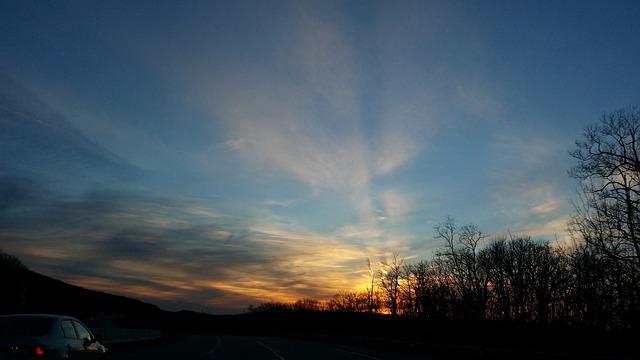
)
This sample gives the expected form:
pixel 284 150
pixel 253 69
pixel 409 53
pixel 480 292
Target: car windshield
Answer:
pixel 24 326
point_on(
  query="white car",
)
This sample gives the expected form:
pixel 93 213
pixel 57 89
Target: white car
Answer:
pixel 47 337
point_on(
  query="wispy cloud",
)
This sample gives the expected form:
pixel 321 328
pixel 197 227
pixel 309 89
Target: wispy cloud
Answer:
pixel 127 242
pixel 304 122
pixel 531 194
pixel 38 140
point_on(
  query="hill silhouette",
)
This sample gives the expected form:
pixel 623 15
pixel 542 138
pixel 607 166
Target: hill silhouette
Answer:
pixel 23 290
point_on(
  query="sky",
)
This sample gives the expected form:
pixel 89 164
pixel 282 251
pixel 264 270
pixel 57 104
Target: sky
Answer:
pixel 210 155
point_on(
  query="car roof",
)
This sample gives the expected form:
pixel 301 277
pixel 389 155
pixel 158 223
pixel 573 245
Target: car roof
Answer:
pixel 49 316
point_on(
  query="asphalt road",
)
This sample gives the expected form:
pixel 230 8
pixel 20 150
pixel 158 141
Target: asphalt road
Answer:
pixel 248 348
pixel 203 347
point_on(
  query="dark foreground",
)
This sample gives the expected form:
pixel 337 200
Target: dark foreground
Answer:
pixel 234 336
pixel 276 348
pixel 253 347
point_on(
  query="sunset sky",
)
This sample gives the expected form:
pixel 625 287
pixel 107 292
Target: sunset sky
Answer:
pixel 209 155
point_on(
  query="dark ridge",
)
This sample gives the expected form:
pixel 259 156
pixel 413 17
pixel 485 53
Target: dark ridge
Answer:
pixel 25 291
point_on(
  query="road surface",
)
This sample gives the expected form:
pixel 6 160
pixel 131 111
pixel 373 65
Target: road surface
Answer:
pixel 249 348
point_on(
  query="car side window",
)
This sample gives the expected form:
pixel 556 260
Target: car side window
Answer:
pixel 68 329
pixel 83 332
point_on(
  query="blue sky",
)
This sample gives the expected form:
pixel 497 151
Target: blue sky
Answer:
pixel 208 155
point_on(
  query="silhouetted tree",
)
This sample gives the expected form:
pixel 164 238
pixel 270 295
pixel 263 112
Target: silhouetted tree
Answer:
pixel 351 301
pixel 607 215
pixel 592 297
pixel 11 260
pixel 419 283
pixel 308 304
pixel 459 257
pixel 527 278
pixel 390 277
pixel 373 303
pixel 407 287
pixel 271 306
pixel 495 259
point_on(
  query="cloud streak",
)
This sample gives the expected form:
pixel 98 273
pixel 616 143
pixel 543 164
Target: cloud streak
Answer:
pixel 170 249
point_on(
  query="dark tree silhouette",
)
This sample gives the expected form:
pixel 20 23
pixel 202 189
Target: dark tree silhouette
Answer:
pixel 390 282
pixel 11 260
pixel 607 217
pixel 459 256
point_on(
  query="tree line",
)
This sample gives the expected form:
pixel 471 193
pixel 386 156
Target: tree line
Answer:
pixel 592 282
